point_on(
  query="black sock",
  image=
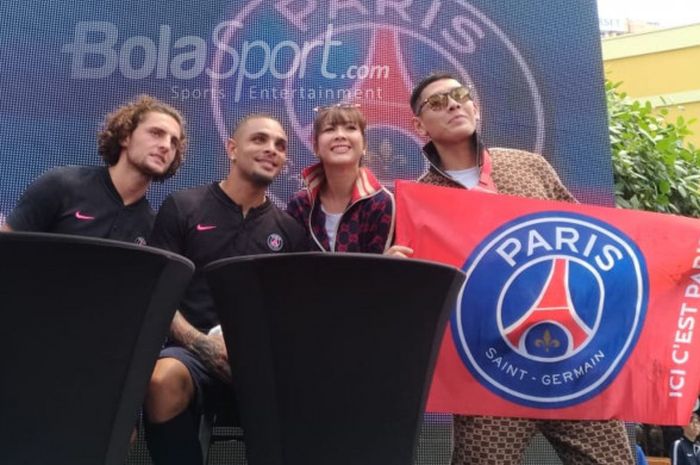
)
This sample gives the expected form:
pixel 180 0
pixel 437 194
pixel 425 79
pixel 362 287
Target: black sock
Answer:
pixel 174 442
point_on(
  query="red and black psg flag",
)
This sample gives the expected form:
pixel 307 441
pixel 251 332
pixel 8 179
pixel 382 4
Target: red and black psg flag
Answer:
pixel 568 311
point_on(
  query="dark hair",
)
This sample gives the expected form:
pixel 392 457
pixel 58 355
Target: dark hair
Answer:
pixel 339 114
pixel 121 123
pixel 425 82
pixel 242 121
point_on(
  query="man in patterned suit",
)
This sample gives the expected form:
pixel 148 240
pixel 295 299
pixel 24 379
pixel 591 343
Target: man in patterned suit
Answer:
pixel 445 113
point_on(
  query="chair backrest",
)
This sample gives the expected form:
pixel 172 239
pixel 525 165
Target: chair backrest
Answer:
pixel 82 321
pixel 332 354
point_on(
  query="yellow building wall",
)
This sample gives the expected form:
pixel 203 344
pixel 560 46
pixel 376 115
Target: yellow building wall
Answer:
pixel 662 67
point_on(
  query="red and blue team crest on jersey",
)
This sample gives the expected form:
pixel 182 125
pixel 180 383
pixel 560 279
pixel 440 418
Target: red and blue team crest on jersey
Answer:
pixel 275 242
pixel 536 311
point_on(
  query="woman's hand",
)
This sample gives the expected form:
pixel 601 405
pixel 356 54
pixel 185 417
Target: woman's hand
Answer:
pixel 399 251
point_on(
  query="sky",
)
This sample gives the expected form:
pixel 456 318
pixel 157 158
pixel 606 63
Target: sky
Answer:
pixel 668 13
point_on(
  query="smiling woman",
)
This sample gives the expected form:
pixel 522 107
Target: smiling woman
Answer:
pixel 343 207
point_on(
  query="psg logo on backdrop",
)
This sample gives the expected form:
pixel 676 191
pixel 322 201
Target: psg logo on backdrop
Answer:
pixel 551 308
pixel 292 56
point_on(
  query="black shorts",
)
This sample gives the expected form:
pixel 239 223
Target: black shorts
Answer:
pixel 211 395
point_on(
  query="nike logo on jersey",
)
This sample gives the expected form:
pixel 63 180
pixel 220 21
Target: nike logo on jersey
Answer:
pixel 83 217
pixel 205 227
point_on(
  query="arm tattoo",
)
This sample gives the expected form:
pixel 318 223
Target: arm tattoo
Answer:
pixel 205 349
pixel 183 332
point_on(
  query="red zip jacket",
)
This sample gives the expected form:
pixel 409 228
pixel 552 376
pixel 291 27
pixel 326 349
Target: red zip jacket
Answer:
pixel 366 225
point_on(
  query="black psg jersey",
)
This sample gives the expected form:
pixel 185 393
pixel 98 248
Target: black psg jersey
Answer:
pixel 81 200
pixel 205 225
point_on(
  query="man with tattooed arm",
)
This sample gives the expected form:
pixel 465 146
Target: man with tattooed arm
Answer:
pixel 223 219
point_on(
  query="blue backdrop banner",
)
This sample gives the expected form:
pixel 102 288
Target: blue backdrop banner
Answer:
pixel 535 68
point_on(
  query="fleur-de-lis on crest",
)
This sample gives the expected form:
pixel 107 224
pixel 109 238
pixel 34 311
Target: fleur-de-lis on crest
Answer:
pixel 547 341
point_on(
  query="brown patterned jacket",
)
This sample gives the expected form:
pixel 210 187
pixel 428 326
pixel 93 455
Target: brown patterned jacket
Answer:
pixel 510 171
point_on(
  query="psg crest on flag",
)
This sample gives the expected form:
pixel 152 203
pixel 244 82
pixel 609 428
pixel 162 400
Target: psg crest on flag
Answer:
pixel 552 306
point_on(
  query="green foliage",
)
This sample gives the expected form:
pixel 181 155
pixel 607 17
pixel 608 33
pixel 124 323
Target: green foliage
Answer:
pixel 653 167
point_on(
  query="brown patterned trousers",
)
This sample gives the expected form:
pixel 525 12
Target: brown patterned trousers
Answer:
pixel 502 441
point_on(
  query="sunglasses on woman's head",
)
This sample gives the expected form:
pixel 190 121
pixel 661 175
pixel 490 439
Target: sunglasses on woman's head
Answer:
pixel 343 106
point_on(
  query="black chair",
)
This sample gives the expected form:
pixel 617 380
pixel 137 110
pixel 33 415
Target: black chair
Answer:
pixel 332 354
pixel 82 324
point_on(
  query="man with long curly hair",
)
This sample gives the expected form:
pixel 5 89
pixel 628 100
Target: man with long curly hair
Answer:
pixel 141 141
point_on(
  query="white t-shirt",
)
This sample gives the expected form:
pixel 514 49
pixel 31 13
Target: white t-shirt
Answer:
pixel 468 177
pixel 332 220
